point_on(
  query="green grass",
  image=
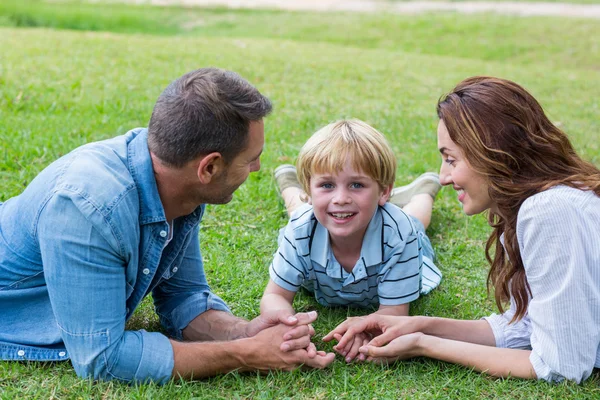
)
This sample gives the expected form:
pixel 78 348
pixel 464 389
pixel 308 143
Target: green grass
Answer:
pixel 555 42
pixel 63 88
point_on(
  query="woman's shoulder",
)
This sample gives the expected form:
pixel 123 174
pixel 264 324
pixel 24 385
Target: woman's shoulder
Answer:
pixel 559 199
pixel 559 210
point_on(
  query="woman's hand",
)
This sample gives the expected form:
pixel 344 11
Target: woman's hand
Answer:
pixel 400 348
pixel 383 329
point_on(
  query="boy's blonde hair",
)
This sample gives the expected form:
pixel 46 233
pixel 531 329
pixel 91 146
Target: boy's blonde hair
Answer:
pixel 328 150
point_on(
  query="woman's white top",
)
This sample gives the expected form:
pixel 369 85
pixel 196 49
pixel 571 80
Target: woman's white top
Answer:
pixel 559 238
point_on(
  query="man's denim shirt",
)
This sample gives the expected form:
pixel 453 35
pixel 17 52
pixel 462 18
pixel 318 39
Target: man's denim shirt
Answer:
pixel 79 250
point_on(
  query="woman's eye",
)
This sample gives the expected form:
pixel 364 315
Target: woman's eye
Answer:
pixel 449 161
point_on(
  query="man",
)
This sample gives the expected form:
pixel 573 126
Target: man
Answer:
pixel 113 221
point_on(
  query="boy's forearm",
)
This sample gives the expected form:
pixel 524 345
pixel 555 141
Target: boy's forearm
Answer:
pixel 274 302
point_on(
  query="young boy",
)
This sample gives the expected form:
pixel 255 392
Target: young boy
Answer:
pixel 349 245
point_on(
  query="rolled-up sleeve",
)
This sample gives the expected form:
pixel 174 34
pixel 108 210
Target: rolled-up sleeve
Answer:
pixel 564 310
pixel 514 336
pixel 84 269
pixel 186 294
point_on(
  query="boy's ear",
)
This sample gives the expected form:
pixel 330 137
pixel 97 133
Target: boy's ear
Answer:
pixel 210 166
pixel 385 194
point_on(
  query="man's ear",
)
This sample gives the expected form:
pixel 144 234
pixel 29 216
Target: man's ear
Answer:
pixel 210 166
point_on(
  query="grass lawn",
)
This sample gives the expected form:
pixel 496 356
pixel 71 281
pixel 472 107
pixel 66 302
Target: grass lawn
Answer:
pixel 60 88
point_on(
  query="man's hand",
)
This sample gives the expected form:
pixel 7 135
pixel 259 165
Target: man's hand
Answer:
pixel 295 338
pixel 266 351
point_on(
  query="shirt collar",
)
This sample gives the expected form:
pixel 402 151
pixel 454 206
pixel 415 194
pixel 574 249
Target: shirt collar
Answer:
pixel 140 167
pixel 370 253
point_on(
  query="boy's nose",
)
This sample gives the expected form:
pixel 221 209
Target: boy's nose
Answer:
pixel 342 197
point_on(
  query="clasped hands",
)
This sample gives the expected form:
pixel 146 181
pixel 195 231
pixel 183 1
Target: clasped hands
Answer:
pixel 377 338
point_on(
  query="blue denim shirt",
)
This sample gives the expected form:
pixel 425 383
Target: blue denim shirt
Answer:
pixel 79 250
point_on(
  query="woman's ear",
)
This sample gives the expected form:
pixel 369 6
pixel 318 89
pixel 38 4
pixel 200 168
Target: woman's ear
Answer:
pixel 210 166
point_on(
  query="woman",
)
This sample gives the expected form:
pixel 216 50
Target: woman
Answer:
pixel 502 155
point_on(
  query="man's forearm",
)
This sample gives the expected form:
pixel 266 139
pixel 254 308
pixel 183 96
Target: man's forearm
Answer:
pixel 198 360
pixel 215 325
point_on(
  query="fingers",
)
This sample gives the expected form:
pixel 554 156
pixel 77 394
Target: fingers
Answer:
pixel 299 331
pixel 361 356
pixel 349 335
pixel 295 344
pixel 321 360
pixel 353 351
pixel 338 331
pixel 306 318
pixel 312 350
pixel 372 352
pixel 383 339
pixel 343 350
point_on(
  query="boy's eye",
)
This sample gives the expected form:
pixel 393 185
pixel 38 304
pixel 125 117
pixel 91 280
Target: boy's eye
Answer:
pixel 356 185
pixel 327 185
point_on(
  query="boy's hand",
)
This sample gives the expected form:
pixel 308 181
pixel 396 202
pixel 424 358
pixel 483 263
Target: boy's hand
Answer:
pixel 351 349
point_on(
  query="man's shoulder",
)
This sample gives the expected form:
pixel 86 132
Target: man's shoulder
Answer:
pixel 98 172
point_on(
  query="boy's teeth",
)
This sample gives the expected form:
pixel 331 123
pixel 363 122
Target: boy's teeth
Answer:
pixel 341 215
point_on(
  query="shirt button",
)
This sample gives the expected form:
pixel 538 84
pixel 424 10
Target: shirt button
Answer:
pixel 146 271
pixel 21 353
pixel 62 354
pixel 163 233
pixel 175 269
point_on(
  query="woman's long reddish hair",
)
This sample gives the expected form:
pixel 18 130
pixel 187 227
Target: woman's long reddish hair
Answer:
pixel 505 136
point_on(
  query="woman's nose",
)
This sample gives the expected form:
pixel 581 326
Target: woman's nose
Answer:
pixel 445 178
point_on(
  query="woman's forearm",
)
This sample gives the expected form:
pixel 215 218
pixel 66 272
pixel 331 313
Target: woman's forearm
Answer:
pixel 499 362
pixel 471 331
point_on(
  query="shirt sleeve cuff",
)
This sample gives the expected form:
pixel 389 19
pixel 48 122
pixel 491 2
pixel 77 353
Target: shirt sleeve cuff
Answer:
pixel 513 336
pixel 157 360
pixel 192 307
pixel 542 370
pixel 498 325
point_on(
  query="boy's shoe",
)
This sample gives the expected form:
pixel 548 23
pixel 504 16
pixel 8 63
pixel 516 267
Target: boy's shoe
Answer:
pixel 428 183
pixel 286 176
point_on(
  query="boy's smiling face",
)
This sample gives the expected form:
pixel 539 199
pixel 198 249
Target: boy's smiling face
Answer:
pixel 344 203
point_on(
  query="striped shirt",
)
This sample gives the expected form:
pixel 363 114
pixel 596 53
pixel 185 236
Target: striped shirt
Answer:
pixel 559 239
pixel 388 271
